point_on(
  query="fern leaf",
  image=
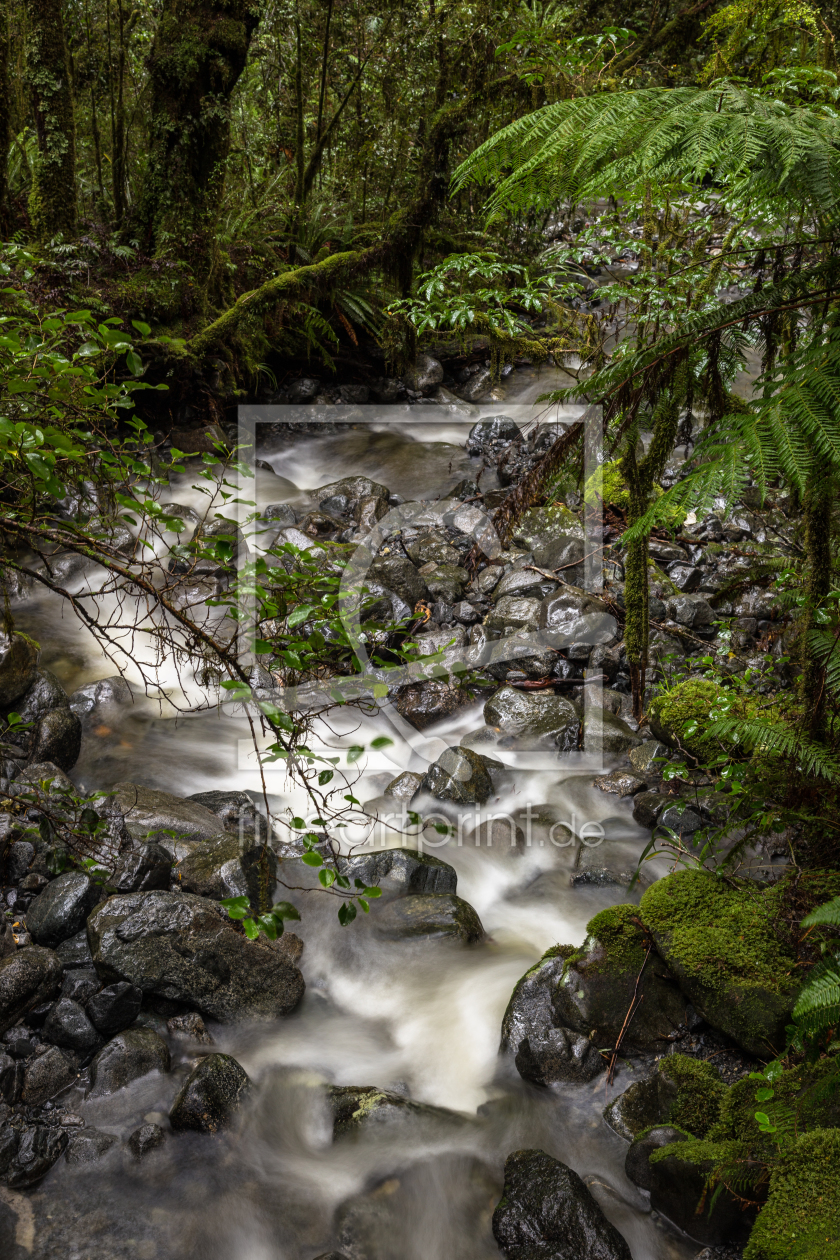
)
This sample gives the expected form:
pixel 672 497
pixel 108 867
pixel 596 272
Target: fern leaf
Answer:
pixel 818 1005
pixel 827 915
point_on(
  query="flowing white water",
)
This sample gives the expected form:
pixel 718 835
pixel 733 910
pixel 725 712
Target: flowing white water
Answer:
pixel 422 1018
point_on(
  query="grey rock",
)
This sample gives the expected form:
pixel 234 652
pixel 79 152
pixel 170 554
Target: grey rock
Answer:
pixel 211 867
pixel 88 1146
pixel 43 694
pixel 58 739
pixel 686 577
pixel 18 665
pixel 67 1025
pixel 103 694
pixel 115 1007
pixel 620 783
pixel 571 617
pixel 353 489
pixel 563 555
pixel 149 813
pixel 143 869
pixel 398 574
pixel 11 1078
pixel 81 984
pixel 606 732
pixel 429 915
pixel 357 1108
pixel 61 910
pixel 477 387
pixel 427 373
pixel 647 807
pixel 643 758
pixel 495 431
pixel 445 582
pixel 676 1190
pixel 682 819
pixel 558 1055
pixel 464 612
pixel 47 1075
pixel 148 1138
pixel 405 786
pixel 75 952
pixel 18 860
pixel 532 719
pixel 303 390
pixel 27 978
pixel 459 775
pixel 424 703
pixel 539 527
pixel 38 1150
pixel 211 1096
pixel 547 1213
pixel 280 514
pixel 497 833
pixel 637 1109
pixel 514 612
pixel 236 812
pixel 127 1057
pixel 636 1161
pixel 521 582
pixel 9 1139
pixel 406 870
pixel 8 944
pixel 180 947
pixel 190 1027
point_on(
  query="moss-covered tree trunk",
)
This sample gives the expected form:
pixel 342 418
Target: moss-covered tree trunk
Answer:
pixel 5 114
pixel 819 498
pixel 198 54
pixel 52 200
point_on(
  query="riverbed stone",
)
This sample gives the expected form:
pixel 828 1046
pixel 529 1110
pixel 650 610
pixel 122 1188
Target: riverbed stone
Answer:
pixel 75 951
pixel 547 1213
pixel 558 1055
pixel 61 910
pixel 405 786
pixel 360 1107
pixel 211 1096
pixel 115 1007
pixel 532 719
pixel 47 1074
pixel 88 1146
pixel 430 915
pixel 620 783
pixel 677 1188
pixel 149 813
pixel 179 946
pixel 514 613
pixel 236 812
pixel 212 866
pixel 143 869
pixel 38 1149
pixel 126 1058
pixel 27 978
pixel 145 1140
pixel 459 775
pixel 68 1025
pixel 647 807
pixel 18 665
pixel 606 732
pixel 422 703
pixel 649 1139
pixel 406 870
pixel 398 574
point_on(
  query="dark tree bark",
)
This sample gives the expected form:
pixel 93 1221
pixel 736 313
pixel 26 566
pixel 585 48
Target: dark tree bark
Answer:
pixel 52 201
pixel 198 54
pixel 5 114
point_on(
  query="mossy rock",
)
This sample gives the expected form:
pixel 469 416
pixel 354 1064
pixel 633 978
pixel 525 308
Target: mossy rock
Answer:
pixel 530 1011
pixel 598 982
pixel 808 1091
pixel 690 701
pixel 679 1173
pixel 801 1219
pixel 683 1092
pixel 607 484
pixel 729 944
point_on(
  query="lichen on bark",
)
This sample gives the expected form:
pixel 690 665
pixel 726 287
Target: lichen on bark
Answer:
pixel 52 198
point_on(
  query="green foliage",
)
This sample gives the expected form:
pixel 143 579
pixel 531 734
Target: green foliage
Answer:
pixel 801 1219
pixel 271 924
pixel 700 1093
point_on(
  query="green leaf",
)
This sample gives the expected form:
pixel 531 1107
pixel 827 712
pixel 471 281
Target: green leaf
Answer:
pixel 312 859
pixel 764 1094
pixel 346 913
pixel 327 877
pixel 354 752
pixel 134 363
pixel 237 907
pixel 380 690
pixel 381 741
pixel 252 930
pixel 285 910
pixel 325 776
pixel 299 614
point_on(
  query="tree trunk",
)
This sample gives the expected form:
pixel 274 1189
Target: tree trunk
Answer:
pixel 197 56
pixel 5 114
pixel 818 503
pixel 52 201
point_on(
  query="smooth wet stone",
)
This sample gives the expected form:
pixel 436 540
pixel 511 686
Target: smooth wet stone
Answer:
pixel 11 1078
pixel 398 574
pixel 647 807
pixel 189 1027
pixel 180 947
pixel 547 1213
pixel 213 866
pixel 149 813
pixel 45 1075
pixel 141 1143
pixel 68 1025
pixel 80 984
pixel 234 810
pixel 514 613
pixel 57 739
pixel 407 870
pixel 563 555
pixel 620 783
pixel 126 1058
pixel 677 1188
pixel 424 703
pixel 532 719
pixel 143 869
pixel 18 666
pixel 38 1150
pixel 429 915
pixel 459 775
pixel 520 582
pixel 211 1096
pixel 359 1107
pixel 88 1146
pixel 9 1139
pixel 405 786
pixel 75 951
pixel 27 978
pixel 558 1055
pixel 353 489
pixel 115 1007
pixel 61 910
pixel 606 732
pixel 497 833
pixel 104 693
pixel 494 431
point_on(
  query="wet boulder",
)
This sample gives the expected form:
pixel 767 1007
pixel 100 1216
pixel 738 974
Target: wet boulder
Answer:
pixel 149 814
pixel 38 1149
pixel 18 666
pixel 126 1058
pixel 445 582
pixel 360 1107
pixel 61 910
pixel 650 1138
pixel 398 574
pixel 539 527
pixel 143 869
pixel 513 613
pixel 235 811
pixel 114 1008
pixel 606 733
pixel 405 786
pixel 681 1091
pixel 572 617
pixel 423 703
pixel 100 698
pixel 596 987
pixel 536 719
pixel 221 867
pixel 405 870
pixel 47 1074
pixel 678 1188
pixel 179 946
pixel 425 375
pixel 88 1146
pixel 68 1025
pixel 492 433
pixel 547 1213
pixel 429 916
pixel 647 807
pixel 145 1140
pixel 211 1096
pixel 75 952
pixel 459 775
pixel 530 1011
pixel 27 978
pixel 558 1055
pixel 353 489
pixel 563 555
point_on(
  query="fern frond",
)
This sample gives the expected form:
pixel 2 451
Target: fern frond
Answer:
pixel 765 735
pixel 827 915
pixel 818 1005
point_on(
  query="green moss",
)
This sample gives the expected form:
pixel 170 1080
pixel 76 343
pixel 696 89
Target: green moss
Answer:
pixel 806 1094
pixel 558 951
pixel 689 701
pixel 622 940
pixel 700 1093
pixel 801 1220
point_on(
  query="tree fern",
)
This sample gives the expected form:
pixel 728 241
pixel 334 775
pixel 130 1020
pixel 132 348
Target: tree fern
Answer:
pixel 824 916
pixel 818 1005
pixel 766 735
